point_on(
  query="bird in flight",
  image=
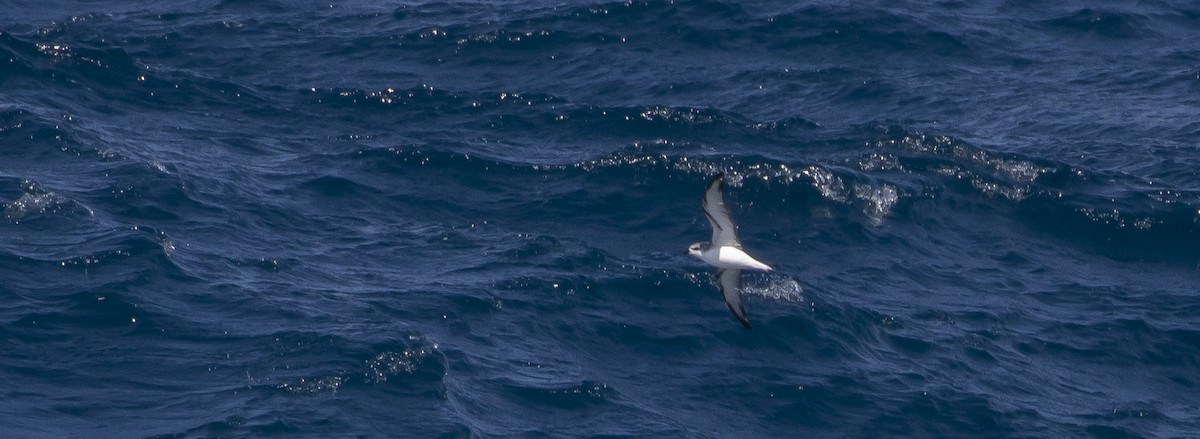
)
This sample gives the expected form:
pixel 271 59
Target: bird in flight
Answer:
pixel 724 251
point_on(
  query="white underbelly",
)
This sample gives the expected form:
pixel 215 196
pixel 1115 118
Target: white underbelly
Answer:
pixel 733 257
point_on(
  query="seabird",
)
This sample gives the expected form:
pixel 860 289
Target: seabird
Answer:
pixel 725 250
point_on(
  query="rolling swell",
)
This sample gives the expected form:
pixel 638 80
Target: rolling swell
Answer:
pixel 878 185
pixel 1113 24
pixel 257 218
pixel 1058 199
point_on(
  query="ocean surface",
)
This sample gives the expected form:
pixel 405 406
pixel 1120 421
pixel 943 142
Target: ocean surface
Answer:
pixel 443 219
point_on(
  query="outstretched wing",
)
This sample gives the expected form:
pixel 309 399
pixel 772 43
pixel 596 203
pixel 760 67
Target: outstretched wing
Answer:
pixel 724 230
pixel 730 283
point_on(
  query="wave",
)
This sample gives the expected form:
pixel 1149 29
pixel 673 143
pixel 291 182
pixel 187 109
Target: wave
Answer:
pixel 707 24
pixel 475 214
pixel 1105 23
pixel 671 144
pixel 100 72
pixel 64 63
pixel 38 201
pixel 1109 212
pixel 868 30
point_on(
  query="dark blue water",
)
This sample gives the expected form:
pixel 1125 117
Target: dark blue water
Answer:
pixel 243 218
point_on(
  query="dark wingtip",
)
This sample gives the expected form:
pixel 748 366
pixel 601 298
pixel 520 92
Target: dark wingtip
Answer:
pixel 716 180
pixel 745 322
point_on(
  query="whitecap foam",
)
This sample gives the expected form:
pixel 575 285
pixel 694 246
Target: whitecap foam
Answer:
pixel 37 200
pixel 877 199
pixel 830 185
pixel 778 288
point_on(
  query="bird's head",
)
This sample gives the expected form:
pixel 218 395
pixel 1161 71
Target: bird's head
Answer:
pixel 697 248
